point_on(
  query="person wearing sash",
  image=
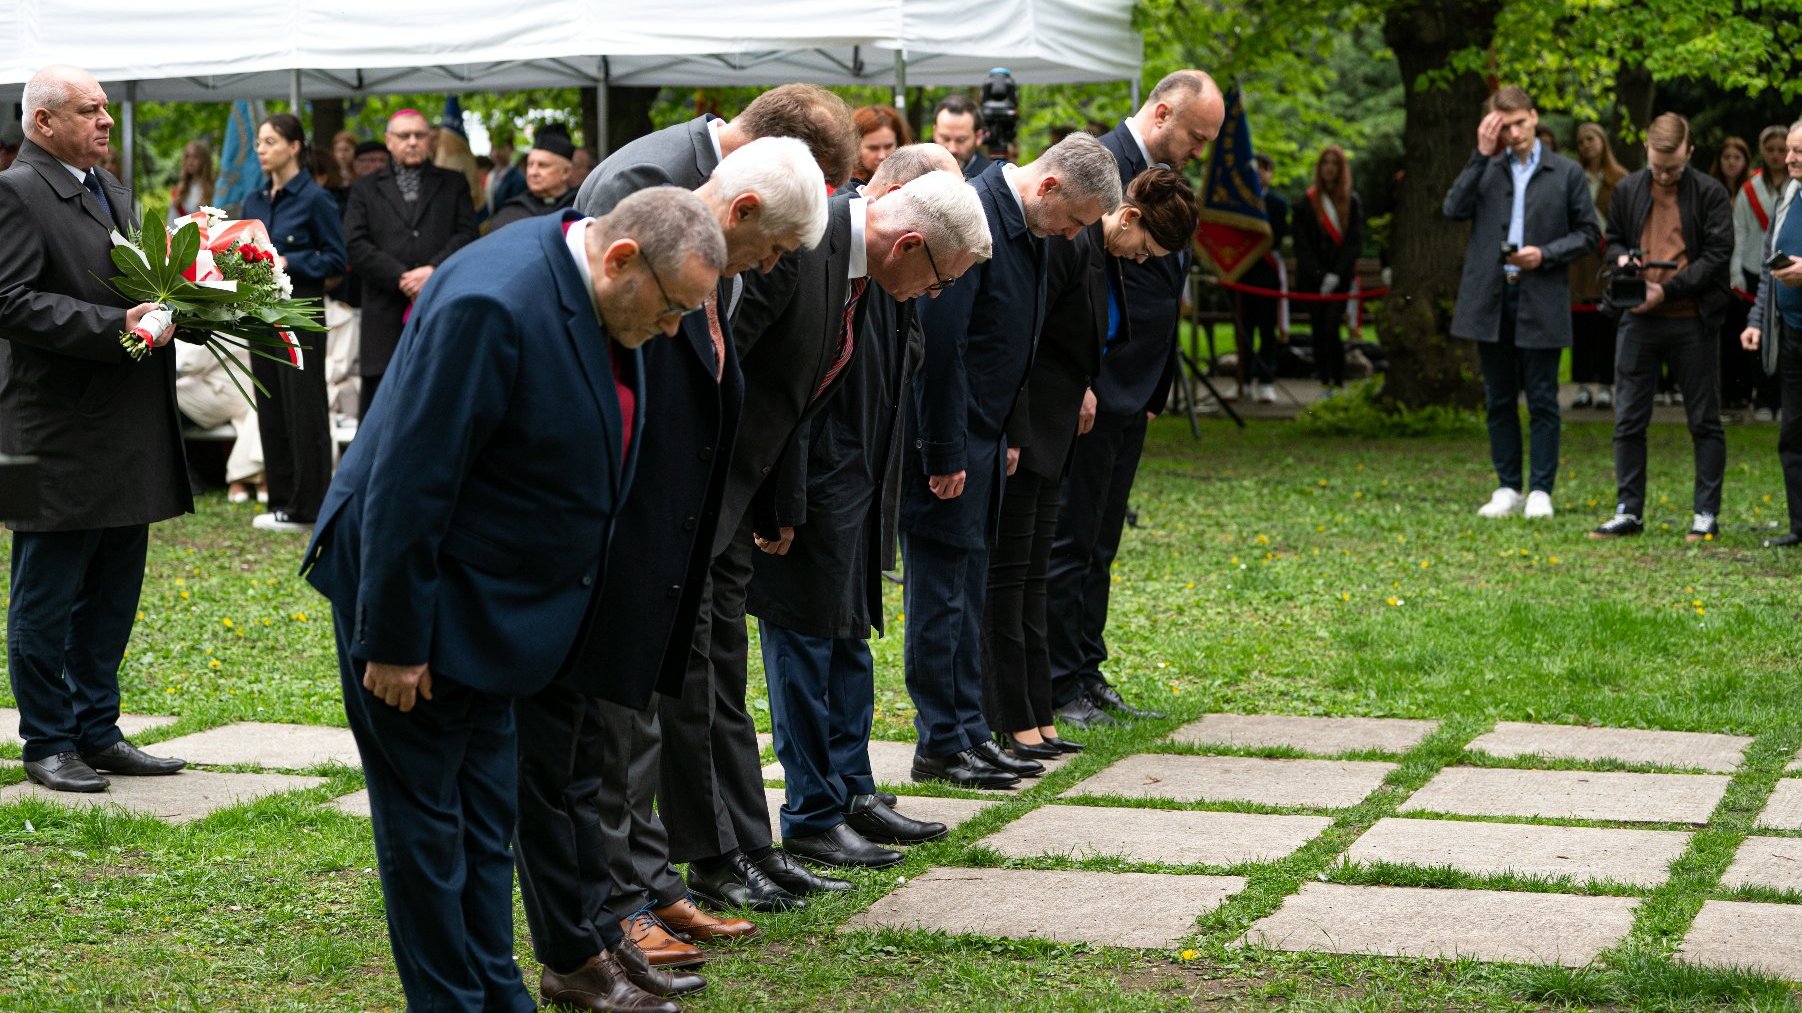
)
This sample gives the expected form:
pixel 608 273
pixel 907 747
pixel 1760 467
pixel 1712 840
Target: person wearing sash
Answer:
pixel 1329 232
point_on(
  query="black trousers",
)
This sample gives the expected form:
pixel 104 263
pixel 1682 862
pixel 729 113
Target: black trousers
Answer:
pixel 1789 435
pixel 296 426
pixel 1091 514
pixel 1256 318
pixel 1016 661
pixel 942 645
pixel 366 394
pixel 1325 319
pixel 1647 345
pixel 712 801
pixel 74 598
pixel 442 783
pixel 1592 347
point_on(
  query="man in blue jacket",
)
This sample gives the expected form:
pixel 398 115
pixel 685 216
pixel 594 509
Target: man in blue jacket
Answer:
pixel 463 539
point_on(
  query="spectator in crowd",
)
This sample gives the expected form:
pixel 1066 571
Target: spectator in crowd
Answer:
pixel 400 224
pixel 548 189
pixel 581 164
pixel 109 466
pixel 344 154
pixel 452 152
pixel 506 180
pixel 113 162
pixel 1777 316
pixel 208 396
pixel 1514 297
pixel 1262 321
pixel 1740 369
pixel 957 127
pixel 194 187
pixel 308 231
pixel 1329 236
pixel 1156 218
pixel 1753 205
pixel 371 157
pixel 1174 126
pixel 979 344
pixel 1547 138
pixel 1670 212
pixel 1592 331
pixel 880 130
pixel 509 436
pixel 11 136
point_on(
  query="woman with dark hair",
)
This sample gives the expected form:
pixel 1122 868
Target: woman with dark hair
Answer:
pixel 881 130
pixel 1329 233
pixel 1740 369
pixel 1592 333
pixel 303 221
pixel 194 188
pixel 1083 318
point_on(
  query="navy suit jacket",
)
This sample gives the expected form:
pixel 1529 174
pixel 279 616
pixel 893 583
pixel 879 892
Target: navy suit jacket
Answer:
pixel 980 334
pixel 467 526
pixel 1135 377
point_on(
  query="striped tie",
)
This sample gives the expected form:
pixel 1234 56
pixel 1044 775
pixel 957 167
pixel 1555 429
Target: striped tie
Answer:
pixel 847 338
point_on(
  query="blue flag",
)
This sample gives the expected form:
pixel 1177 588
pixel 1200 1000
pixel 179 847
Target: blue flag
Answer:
pixel 239 172
pixel 1234 230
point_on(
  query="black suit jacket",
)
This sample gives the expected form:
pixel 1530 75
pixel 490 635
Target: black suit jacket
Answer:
pixel 1136 377
pixel 387 238
pixel 977 165
pixel 103 426
pixel 1069 354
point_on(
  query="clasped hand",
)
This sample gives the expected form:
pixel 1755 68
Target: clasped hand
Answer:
pixel 398 685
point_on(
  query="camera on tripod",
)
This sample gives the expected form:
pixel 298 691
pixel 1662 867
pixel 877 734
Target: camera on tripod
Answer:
pixel 1627 282
pixel 1000 111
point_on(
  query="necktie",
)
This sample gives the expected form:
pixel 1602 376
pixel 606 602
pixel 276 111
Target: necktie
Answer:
pixel 713 331
pixel 847 341
pixel 92 182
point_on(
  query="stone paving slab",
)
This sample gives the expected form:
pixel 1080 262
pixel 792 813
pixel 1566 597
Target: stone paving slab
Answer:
pixel 1636 857
pixel 177 798
pixel 130 724
pixel 1162 836
pixel 892 763
pixel 1393 921
pixel 1131 909
pixel 1325 784
pixel 929 808
pixel 1700 750
pixel 1571 794
pixel 1757 937
pixel 1325 736
pixel 1784 810
pixel 1774 862
pixel 266 745
pixel 354 804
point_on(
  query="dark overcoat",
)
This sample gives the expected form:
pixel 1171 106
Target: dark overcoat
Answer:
pixel 1069 353
pixel 387 237
pixel 1136 377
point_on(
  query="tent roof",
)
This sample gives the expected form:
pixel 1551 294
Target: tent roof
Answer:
pixel 378 46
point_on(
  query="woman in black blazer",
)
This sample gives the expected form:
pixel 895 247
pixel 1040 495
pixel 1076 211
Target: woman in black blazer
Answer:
pixel 1084 319
pixel 1329 234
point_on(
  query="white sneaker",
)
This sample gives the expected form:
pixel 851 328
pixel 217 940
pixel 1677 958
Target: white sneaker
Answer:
pixel 277 520
pixel 1604 397
pixel 1504 502
pixel 1763 415
pixel 1539 505
pixel 1230 392
pixel 1266 393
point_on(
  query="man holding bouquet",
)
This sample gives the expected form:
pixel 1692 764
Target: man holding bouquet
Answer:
pixel 103 425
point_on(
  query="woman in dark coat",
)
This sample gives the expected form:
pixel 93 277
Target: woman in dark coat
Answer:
pixel 1083 320
pixel 1329 233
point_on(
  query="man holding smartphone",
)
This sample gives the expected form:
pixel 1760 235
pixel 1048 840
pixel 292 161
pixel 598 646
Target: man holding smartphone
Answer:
pixel 1778 314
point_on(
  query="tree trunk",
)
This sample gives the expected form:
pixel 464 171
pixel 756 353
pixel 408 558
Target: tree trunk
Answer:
pixel 1426 365
pixel 1635 89
pixel 628 114
pixel 328 119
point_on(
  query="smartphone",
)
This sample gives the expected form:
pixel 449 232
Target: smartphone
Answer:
pixel 1779 260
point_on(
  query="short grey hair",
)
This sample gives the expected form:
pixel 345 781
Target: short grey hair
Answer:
pixel 909 163
pixel 669 224
pixel 48 89
pixel 782 173
pixel 944 210
pixel 1085 170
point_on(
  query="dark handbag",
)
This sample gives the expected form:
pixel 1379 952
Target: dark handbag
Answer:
pixel 1771 335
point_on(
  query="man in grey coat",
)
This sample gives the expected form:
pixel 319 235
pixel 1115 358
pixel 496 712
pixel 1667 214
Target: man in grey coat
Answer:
pixel 1531 215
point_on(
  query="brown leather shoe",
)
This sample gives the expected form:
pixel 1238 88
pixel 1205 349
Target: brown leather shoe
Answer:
pixel 600 985
pixel 654 980
pixel 683 918
pixel 660 948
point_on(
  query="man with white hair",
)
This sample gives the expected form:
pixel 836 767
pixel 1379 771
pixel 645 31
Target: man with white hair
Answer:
pixel 593 858
pixel 548 185
pixel 796 332
pixel 103 426
pixel 979 345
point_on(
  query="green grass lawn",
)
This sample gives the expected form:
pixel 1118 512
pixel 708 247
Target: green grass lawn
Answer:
pixel 1271 571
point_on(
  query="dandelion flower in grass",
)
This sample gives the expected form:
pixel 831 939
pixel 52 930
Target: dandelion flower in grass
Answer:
pixel 212 663
pixel 140 617
pixel 184 596
pixel 1394 602
pixel 1188 954
pixel 300 617
pixel 1425 563
pixel 1190 586
pixel 227 622
pixel 1553 560
pixel 1344 596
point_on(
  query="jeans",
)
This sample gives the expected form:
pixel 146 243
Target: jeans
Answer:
pixel 1647 344
pixel 1509 369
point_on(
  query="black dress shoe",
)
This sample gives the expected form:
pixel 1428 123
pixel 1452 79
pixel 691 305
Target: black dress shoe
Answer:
pixel 736 882
pixel 1064 745
pixel 124 758
pixel 798 879
pixel 840 848
pixel 1784 541
pixel 1109 699
pixel 965 769
pixel 660 982
pixel 1082 713
pixel 878 822
pixel 992 753
pixel 887 798
pixel 65 772
pixel 1029 750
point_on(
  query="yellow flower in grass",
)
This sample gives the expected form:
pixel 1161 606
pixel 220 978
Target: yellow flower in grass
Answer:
pixel 300 617
pixel 227 623
pixel 1188 955
pixel 1393 601
pixel 212 663
pixel 185 596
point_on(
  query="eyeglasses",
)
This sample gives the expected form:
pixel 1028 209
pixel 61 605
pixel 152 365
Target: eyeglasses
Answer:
pixel 410 135
pixel 943 282
pixel 671 308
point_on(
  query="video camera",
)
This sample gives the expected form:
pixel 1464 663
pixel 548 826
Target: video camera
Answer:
pixel 1627 282
pixel 1000 111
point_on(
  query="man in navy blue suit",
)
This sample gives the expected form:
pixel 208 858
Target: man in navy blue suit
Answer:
pixel 979 345
pixel 462 542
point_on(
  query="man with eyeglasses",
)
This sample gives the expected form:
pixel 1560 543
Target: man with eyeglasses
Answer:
pixel 979 345
pixel 400 223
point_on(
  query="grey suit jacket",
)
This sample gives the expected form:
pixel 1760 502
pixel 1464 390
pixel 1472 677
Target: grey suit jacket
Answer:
pixel 681 155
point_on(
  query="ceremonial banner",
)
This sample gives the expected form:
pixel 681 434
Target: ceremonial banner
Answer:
pixel 239 172
pixel 1234 230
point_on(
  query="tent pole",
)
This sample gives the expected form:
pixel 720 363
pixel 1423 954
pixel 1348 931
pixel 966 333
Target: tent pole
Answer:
pixel 901 82
pixel 600 111
pixel 128 119
pixel 1135 84
pixel 294 92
